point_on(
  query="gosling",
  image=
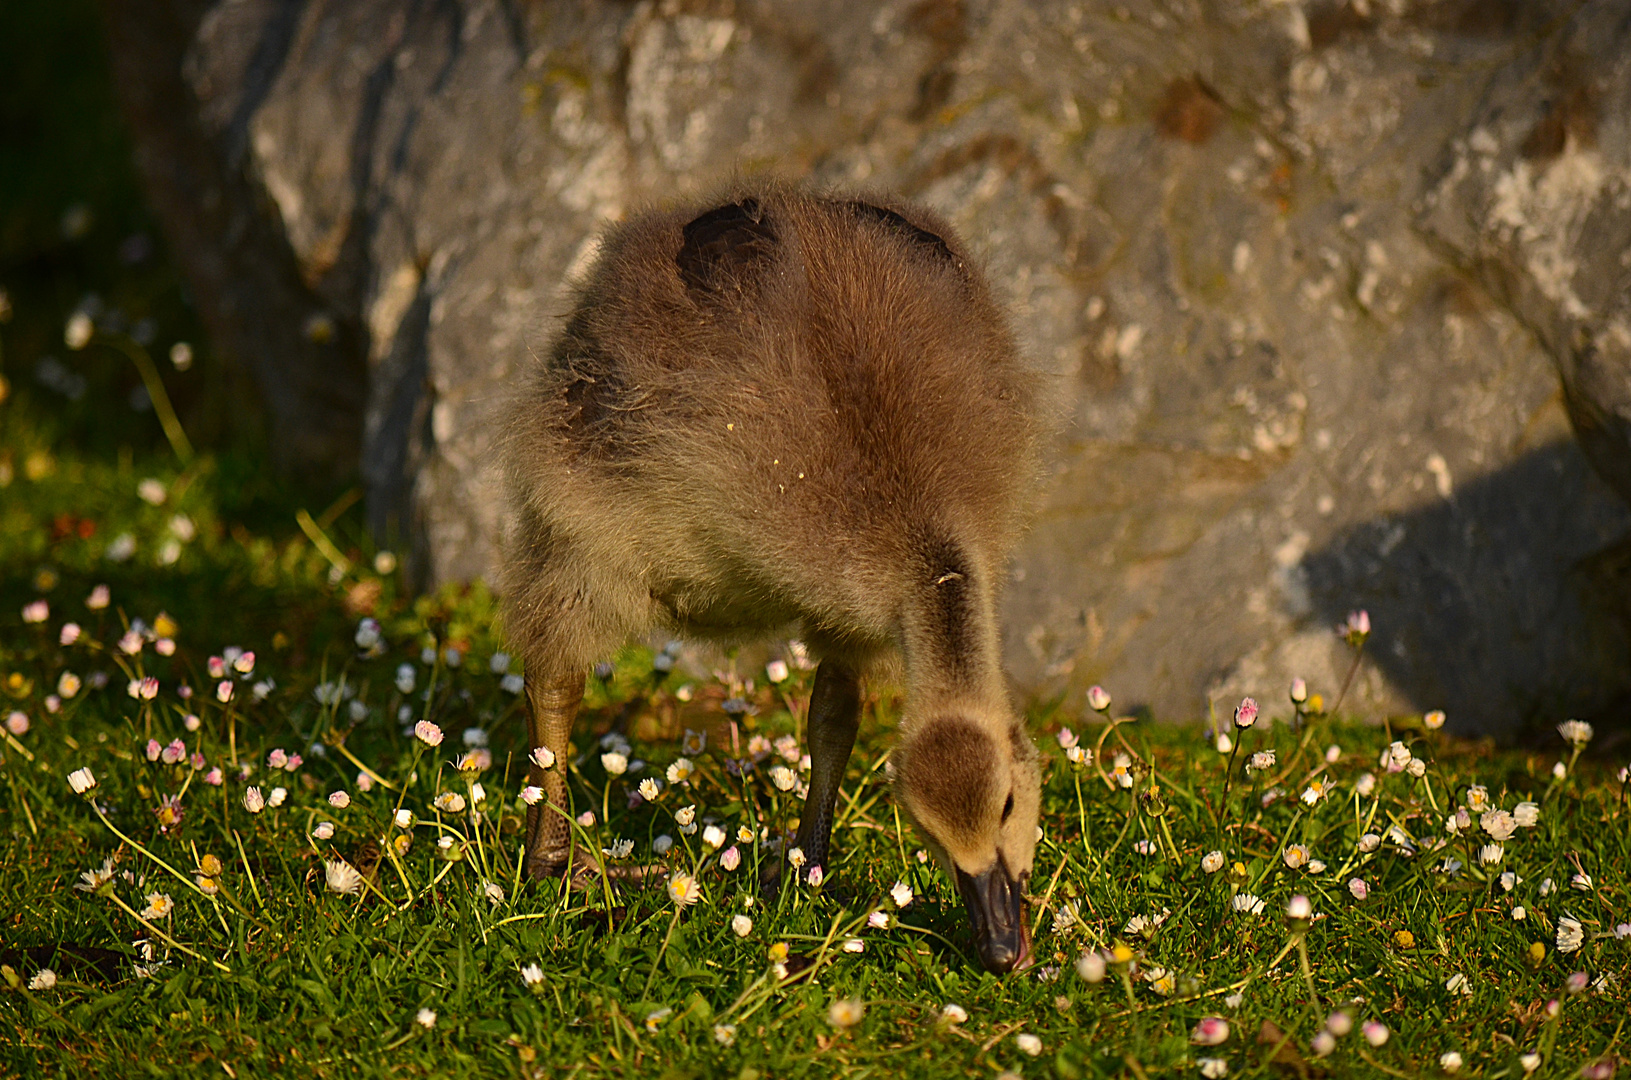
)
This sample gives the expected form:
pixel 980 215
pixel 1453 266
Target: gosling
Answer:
pixel 789 413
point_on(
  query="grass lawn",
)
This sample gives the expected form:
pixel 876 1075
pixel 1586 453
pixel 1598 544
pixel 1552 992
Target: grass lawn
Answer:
pixel 264 914
pixel 268 872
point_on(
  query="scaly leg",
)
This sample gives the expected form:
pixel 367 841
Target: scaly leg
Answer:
pixel 835 715
pixel 554 700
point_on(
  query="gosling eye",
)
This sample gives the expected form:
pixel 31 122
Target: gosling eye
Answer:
pixel 1008 807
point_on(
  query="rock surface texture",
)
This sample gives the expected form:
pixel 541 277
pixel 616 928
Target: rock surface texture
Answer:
pixel 1305 280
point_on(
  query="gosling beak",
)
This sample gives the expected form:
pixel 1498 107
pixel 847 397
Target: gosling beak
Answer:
pixel 996 906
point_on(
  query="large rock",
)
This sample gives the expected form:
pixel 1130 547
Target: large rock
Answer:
pixel 1303 322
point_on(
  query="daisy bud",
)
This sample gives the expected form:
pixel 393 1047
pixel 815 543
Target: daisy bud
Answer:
pixel 1091 966
pixel 954 1014
pixel 1224 743
pixel 614 763
pixel 775 671
pixel 587 820
pixel 404 818
pixel 1434 720
pixel 1365 785
pixel 1245 713
pixel 1211 1031
pixel 1322 1044
pixel 216 665
pixel 1028 1043
pixel 1212 862
pixel 1299 910
pixel 846 1013
pixel 1450 1061
pixel 69 634
pixel 532 977
pixel 1299 691
pixel 817 876
pixel 254 801
pixel 276 797
pixel 223 692
pixel 543 757
pixel 532 794
pixel 741 925
pixel 713 836
pixel 900 893
pixel 1358 888
pixel 153 747
pixel 730 858
pixel 1339 1023
pixel 428 733
pixel 81 780
pixel 650 789
pixel 1375 1032
pixel 245 663
pixel 1098 699
pixel 339 799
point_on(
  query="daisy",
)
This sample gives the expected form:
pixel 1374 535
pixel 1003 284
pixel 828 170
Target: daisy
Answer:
pixel 1570 934
pixel 684 890
pixel 342 877
pixel 1247 904
pixel 1575 732
pixel 158 906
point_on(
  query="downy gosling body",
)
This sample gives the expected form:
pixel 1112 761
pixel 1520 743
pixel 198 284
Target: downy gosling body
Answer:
pixel 788 414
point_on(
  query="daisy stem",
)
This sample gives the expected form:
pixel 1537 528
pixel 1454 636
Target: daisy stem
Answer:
pixel 1081 815
pixel 661 949
pixel 1353 669
pixel 168 940
pixel 179 876
pixel 1228 782
pixel 1307 970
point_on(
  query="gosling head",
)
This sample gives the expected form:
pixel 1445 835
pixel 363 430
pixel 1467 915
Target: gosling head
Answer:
pixel 973 791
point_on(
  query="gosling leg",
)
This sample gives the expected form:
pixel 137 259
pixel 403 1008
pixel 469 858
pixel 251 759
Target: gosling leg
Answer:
pixel 835 715
pixel 554 700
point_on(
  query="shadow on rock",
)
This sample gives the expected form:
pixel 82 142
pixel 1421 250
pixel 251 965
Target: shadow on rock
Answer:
pixel 1502 604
